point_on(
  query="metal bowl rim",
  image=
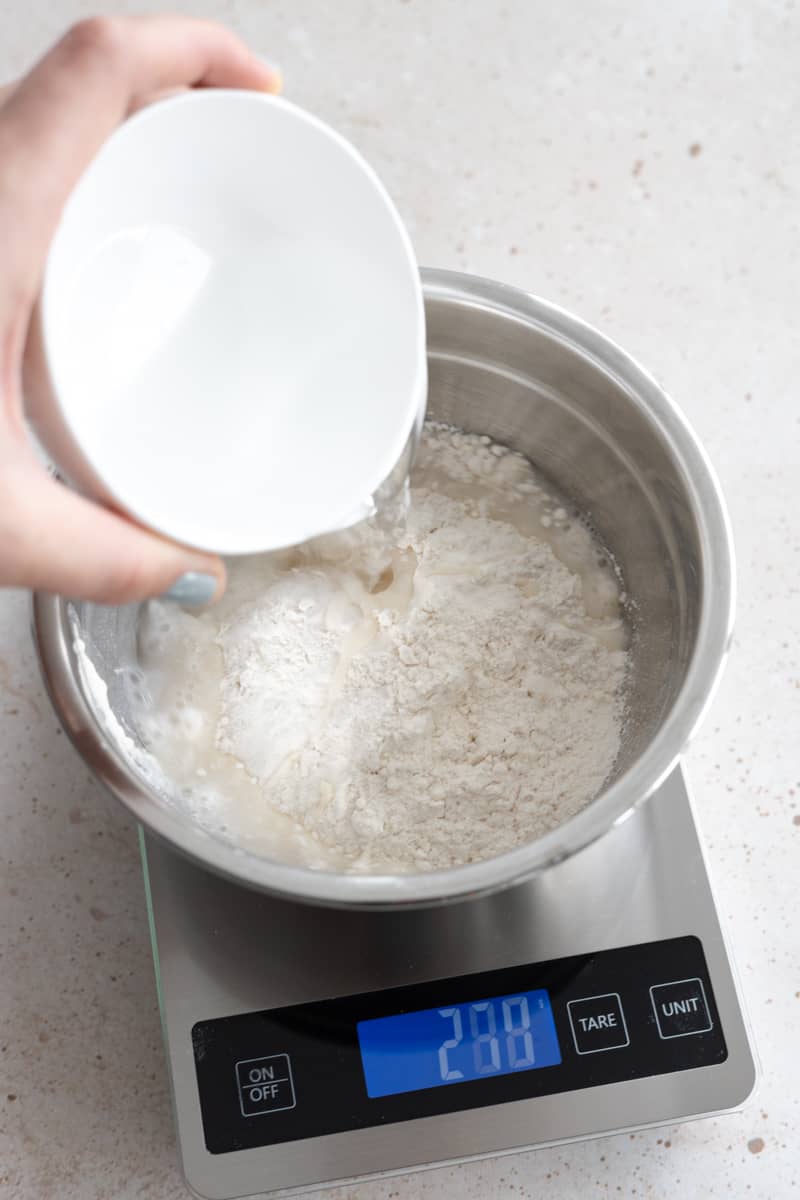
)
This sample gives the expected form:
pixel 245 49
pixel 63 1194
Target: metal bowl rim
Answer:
pixel 615 804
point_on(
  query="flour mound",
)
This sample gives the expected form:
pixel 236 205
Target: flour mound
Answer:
pixel 433 706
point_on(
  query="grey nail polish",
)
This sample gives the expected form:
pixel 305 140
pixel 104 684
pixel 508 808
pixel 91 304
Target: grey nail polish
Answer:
pixel 192 589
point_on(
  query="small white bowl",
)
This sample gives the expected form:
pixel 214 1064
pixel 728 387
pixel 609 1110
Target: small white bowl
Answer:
pixel 231 326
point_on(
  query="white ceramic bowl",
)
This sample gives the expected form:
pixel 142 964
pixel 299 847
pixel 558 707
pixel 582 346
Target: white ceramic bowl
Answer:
pixel 232 335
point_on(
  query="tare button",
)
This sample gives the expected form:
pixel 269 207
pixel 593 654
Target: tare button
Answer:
pixel 265 1085
pixel 680 1008
pixel 598 1023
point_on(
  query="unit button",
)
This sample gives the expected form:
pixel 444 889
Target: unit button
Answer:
pixel 680 1008
pixel 265 1085
pixel 598 1023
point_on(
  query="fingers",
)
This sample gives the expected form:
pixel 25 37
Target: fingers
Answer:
pixel 51 124
pixel 153 97
pixel 55 119
pixel 56 541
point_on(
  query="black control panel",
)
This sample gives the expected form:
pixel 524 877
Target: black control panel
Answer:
pixel 454 1044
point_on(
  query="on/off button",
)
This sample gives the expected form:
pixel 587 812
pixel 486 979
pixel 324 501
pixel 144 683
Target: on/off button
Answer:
pixel 265 1085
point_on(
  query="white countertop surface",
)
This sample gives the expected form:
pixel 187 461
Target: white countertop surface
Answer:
pixel 638 163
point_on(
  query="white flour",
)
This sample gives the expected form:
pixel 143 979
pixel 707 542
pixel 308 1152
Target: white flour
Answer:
pixel 452 706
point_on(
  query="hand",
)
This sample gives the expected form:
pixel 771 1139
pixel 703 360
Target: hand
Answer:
pixel 52 122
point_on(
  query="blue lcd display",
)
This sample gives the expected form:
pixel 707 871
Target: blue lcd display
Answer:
pixel 458 1042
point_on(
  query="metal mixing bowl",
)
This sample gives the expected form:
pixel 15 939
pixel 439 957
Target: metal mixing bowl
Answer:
pixel 509 365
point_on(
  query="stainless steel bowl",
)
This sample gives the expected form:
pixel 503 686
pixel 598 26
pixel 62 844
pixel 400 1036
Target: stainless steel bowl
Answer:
pixel 512 366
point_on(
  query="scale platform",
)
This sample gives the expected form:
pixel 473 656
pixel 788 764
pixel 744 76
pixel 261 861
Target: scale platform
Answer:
pixel 311 1046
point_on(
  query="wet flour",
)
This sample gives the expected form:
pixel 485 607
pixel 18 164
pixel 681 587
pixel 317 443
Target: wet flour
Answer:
pixel 349 708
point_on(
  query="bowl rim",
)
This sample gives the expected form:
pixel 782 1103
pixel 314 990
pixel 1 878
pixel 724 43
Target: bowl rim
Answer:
pixel 614 805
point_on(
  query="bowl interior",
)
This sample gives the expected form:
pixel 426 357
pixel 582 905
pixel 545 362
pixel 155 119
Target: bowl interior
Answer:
pixel 230 245
pixel 522 371
pixel 528 387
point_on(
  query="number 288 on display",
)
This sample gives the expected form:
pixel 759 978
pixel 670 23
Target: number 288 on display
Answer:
pixel 497 1045
pixel 458 1043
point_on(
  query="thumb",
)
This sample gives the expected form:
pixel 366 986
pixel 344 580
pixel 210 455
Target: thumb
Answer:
pixel 53 540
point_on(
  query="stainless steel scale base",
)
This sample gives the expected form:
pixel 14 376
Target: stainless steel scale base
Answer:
pixel 222 950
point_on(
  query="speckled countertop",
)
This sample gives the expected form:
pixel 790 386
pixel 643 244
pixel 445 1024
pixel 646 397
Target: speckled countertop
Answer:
pixel 638 163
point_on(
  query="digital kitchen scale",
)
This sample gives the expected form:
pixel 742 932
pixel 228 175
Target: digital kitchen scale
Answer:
pixel 310 1046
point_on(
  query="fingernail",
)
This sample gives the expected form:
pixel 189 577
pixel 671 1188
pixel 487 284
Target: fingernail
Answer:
pixel 192 589
pixel 275 72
